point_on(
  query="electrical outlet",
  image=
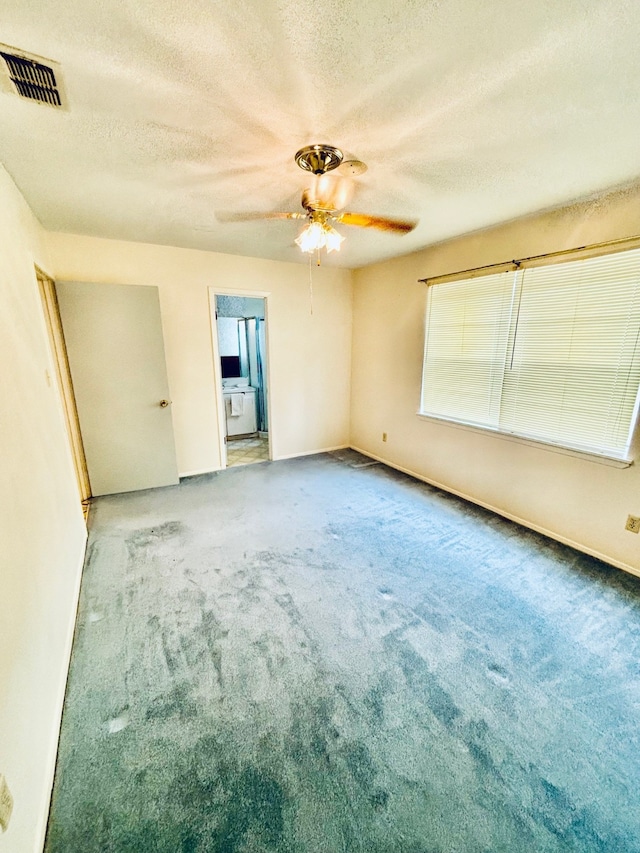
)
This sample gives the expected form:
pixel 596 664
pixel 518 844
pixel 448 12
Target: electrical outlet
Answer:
pixel 633 523
pixel 6 804
pixel 384 436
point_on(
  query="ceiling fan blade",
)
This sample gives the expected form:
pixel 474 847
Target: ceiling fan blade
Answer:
pixel 362 220
pixel 251 217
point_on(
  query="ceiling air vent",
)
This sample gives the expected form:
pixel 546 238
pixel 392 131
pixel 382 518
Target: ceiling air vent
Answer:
pixel 32 77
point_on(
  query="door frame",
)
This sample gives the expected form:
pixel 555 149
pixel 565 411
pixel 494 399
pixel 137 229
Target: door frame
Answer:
pixel 58 353
pixel 217 372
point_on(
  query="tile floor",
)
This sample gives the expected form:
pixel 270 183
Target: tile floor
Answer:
pixel 246 451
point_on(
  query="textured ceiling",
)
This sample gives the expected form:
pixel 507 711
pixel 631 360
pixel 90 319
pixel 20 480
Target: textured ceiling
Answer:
pixel 183 113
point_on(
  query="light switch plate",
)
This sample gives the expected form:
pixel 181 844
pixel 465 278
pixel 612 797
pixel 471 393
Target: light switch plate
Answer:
pixel 6 804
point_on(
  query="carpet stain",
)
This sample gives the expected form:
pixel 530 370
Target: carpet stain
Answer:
pixel 256 805
pixel 149 536
pixel 379 799
pixel 374 702
pixel 498 673
pixel 177 703
pixel 424 682
pixel 230 802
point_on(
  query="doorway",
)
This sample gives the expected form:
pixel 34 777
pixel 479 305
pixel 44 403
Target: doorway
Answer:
pixel 240 331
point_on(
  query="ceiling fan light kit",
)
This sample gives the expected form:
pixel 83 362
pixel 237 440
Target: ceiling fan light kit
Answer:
pixel 319 234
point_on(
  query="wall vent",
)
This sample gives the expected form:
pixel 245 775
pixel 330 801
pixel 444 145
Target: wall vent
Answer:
pixel 32 77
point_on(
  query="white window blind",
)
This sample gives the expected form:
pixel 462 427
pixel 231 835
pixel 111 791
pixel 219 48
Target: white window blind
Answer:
pixel 550 353
pixel 466 342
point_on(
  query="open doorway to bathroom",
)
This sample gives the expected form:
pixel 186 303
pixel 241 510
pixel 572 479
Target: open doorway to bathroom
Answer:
pixel 240 331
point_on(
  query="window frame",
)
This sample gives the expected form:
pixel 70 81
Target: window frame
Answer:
pixel 559 445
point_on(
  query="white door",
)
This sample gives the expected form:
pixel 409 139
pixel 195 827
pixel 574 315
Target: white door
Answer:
pixel 114 341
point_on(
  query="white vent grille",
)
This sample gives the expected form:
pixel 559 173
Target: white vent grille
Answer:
pixel 31 77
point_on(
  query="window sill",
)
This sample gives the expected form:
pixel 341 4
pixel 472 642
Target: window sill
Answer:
pixel 611 461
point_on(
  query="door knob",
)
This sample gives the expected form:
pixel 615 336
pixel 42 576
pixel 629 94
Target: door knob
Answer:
pixel 164 403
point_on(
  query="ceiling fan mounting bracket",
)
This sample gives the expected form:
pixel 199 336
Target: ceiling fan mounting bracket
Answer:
pixel 319 159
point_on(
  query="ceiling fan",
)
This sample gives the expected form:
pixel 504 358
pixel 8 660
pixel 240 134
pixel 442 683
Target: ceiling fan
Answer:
pixel 324 201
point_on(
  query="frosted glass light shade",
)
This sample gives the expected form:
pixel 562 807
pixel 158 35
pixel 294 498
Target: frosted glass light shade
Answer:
pixel 318 236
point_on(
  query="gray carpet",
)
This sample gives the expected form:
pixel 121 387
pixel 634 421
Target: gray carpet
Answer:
pixel 307 657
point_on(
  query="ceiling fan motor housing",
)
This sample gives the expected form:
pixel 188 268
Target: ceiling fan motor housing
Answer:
pixel 319 159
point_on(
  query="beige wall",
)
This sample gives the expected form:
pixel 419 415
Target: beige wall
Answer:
pixel 41 530
pixel 574 500
pixel 309 368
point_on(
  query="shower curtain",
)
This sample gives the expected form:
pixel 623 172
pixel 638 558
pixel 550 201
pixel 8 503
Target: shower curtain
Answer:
pixel 262 378
pixel 251 338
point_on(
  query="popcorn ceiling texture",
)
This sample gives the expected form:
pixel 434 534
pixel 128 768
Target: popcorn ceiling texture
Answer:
pixel 466 113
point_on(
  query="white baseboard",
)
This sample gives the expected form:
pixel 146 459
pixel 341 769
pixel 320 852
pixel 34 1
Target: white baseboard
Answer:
pixel 311 452
pixel 59 705
pixel 578 546
pixel 274 459
pixel 197 473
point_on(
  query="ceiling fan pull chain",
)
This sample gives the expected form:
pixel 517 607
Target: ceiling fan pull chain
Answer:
pixel 311 285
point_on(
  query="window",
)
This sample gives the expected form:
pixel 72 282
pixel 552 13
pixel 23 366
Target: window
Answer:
pixel 550 353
